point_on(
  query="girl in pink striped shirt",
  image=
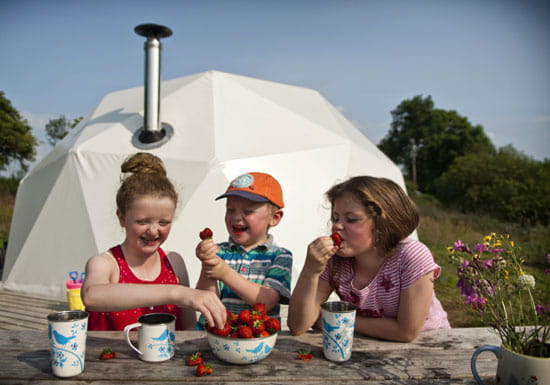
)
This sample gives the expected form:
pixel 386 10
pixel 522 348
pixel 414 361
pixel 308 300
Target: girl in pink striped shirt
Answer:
pixel 388 276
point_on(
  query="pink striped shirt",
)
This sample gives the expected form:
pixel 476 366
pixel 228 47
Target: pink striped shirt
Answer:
pixel 381 297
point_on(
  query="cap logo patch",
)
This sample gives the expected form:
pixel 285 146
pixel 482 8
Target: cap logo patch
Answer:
pixel 243 181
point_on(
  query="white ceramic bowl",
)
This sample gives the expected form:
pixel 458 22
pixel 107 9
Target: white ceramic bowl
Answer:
pixel 241 350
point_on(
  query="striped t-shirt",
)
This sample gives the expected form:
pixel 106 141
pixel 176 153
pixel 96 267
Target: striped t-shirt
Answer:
pixel 380 298
pixel 266 264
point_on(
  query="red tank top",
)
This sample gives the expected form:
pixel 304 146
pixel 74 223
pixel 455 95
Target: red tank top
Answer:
pixel 117 320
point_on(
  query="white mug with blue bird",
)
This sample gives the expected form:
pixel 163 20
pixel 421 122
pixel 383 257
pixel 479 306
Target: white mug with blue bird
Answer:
pixel 338 319
pixel 67 332
pixel 156 337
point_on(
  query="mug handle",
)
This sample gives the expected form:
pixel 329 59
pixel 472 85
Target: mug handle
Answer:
pixel 126 333
pixel 492 348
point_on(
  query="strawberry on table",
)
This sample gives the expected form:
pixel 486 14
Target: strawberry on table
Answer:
pixel 304 355
pixel 204 370
pixel 195 359
pixel 205 234
pixel 337 239
pixel 107 354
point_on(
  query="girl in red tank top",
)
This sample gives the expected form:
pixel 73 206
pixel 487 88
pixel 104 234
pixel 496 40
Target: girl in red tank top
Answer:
pixel 138 277
pixel 117 320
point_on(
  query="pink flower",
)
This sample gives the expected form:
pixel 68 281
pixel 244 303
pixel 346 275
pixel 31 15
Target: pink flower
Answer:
pixel 460 246
pixel 480 247
pixel 487 264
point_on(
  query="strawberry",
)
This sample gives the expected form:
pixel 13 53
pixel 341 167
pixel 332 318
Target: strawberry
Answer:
pixel 107 354
pixel 195 359
pixel 272 325
pixel 224 332
pixel 257 326
pixel 337 239
pixel 259 308
pixel 204 370
pixel 304 355
pixel 265 333
pixel 244 316
pixel 245 332
pixel 205 234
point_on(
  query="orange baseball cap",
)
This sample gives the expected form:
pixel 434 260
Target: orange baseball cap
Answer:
pixel 257 187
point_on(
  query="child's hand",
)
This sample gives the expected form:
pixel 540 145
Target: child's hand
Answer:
pixel 318 253
pixel 206 249
pixel 215 268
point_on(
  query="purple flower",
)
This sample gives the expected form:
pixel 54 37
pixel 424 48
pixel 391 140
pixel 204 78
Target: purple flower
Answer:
pixel 465 264
pixel 480 247
pixel 541 309
pixel 547 271
pixel 487 264
pixel 466 289
pixel 460 246
pixel 496 251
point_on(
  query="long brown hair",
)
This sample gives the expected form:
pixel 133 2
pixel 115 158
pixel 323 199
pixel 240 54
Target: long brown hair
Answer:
pixel 395 215
pixel 147 178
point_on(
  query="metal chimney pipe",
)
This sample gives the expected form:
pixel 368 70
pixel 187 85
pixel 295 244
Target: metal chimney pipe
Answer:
pixel 153 131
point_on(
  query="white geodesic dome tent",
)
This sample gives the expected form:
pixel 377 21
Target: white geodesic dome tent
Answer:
pixel 223 125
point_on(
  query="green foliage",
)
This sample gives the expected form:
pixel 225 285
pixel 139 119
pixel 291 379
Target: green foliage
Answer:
pixel 57 129
pixel 439 137
pixel 17 142
pixel 508 186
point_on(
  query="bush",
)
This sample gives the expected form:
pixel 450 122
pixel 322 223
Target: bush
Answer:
pixel 508 186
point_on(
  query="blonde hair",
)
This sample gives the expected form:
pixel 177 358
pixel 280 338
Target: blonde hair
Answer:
pixel 147 178
pixel 395 215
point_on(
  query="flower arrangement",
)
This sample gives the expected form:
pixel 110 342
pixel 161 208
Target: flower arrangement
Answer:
pixel 494 284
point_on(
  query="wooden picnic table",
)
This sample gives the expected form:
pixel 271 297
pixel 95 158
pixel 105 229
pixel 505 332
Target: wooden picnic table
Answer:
pixel 435 357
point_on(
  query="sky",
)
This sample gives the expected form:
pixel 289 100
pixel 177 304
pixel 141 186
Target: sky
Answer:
pixel 487 60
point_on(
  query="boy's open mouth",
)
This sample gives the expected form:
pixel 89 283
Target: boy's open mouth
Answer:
pixel 239 229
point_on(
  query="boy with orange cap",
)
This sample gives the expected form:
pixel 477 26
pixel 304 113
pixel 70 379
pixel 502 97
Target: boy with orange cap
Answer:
pixel 249 268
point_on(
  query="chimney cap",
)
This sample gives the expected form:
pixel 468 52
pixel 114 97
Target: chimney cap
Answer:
pixel 153 30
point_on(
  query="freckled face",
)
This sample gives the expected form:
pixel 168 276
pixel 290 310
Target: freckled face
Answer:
pixel 351 221
pixel 247 222
pixel 147 222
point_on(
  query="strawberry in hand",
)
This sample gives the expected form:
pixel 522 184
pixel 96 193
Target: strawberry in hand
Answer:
pixel 204 370
pixel 337 239
pixel 195 359
pixel 206 234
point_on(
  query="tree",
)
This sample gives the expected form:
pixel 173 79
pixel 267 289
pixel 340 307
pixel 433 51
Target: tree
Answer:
pixel 17 143
pixel 57 129
pixel 432 137
pixel 507 185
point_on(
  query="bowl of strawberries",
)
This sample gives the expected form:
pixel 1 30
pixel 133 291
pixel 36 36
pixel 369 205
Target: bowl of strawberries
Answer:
pixel 246 338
